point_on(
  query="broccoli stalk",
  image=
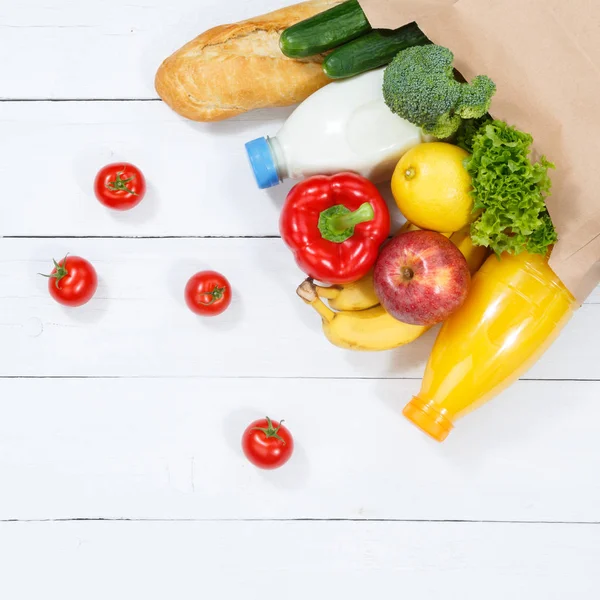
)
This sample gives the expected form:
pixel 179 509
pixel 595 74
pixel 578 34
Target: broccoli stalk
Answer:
pixel 419 86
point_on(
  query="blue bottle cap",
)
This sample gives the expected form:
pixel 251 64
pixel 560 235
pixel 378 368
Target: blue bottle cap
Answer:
pixel 263 163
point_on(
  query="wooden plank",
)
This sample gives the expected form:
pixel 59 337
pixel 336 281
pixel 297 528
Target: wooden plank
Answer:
pixel 139 325
pixel 170 449
pixel 419 561
pixel 102 48
pixel 200 182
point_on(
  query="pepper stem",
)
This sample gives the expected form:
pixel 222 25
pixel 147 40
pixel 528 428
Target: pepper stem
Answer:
pixel 337 223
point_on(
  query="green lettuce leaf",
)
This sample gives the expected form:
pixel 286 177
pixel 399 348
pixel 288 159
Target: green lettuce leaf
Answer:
pixel 509 191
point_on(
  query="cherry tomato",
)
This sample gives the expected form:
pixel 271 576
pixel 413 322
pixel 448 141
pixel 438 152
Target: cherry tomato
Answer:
pixel 120 186
pixel 267 444
pixel 208 293
pixel 73 281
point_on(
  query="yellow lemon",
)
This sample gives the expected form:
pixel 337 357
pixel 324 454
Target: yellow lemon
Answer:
pixel 432 187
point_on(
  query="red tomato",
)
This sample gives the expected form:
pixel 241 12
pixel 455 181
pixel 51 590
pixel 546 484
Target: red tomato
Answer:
pixel 267 444
pixel 208 293
pixel 73 281
pixel 120 186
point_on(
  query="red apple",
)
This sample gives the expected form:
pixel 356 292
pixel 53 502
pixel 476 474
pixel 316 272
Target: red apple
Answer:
pixel 421 278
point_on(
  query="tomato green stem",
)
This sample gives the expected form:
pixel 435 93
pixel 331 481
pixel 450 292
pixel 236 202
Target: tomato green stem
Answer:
pixel 120 185
pixel 60 271
pixel 270 431
pixel 216 294
pixel 337 223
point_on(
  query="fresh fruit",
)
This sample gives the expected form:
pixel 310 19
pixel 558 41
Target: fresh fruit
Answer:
pixel 421 278
pixel 432 187
pixel 120 186
pixel 474 255
pixel 375 329
pixel 359 295
pixel 208 293
pixel 73 281
pixel 368 330
pixel 267 444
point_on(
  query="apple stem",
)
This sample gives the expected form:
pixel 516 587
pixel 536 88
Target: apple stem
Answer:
pixel 407 273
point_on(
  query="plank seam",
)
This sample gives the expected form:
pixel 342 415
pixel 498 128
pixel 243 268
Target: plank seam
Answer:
pixel 140 237
pixel 263 377
pixel 298 520
pixel 8 100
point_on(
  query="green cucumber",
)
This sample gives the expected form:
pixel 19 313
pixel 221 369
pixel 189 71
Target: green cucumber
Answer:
pixel 325 31
pixel 371 51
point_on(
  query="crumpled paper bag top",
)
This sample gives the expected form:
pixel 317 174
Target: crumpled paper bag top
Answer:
pixel 544 56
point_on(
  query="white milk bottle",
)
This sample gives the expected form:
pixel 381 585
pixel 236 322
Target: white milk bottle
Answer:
pixel 345 126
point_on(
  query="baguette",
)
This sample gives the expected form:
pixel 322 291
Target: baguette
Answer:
pixel 231 69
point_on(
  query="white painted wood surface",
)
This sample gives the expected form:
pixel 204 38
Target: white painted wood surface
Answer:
pixel 170 449
pixel 298 560
pixel 102 48
pixel 128 412
pixel 138 323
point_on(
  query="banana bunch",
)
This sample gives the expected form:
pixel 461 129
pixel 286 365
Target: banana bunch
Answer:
pixel 354 318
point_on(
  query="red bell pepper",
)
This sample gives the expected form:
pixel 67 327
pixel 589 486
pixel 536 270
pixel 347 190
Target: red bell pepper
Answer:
pixel 335 226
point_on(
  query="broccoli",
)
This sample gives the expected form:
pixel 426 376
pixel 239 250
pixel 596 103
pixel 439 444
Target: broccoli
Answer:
pixel 419 86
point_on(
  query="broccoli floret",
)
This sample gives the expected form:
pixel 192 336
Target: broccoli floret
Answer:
pixel 419 86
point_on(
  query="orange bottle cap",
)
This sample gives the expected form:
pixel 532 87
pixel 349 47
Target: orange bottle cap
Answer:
pixel 428 418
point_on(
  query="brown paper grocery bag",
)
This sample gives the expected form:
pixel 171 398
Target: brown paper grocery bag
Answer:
pixel 544 56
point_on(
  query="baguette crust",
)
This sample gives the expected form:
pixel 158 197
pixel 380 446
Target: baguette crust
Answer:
pixel 231 69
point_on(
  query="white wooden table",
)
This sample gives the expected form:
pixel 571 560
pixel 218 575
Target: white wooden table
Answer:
pixel 120 469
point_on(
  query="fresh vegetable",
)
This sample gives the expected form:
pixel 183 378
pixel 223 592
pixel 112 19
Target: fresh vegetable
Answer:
pixel 468 129
pixel 120 186
pixel 267 444
pixel 73 281
pixel 325 31
pixel 208 293
pixel 419 85
pixel 510 190
pixel 421 278
pixel 335 226
pixel 432 187
pixel 373 50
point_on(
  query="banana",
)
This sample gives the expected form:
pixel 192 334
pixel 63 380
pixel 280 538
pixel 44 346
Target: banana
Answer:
pixel 475 255
pixel 359 295
pixel 368 330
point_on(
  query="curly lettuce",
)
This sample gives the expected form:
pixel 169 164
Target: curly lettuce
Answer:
pixel 509 191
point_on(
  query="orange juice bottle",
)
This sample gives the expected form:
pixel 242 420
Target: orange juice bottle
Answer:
pixel 516 308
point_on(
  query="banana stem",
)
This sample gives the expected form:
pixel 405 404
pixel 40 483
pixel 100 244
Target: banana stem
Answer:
pixel 308 292
pixel 329 293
